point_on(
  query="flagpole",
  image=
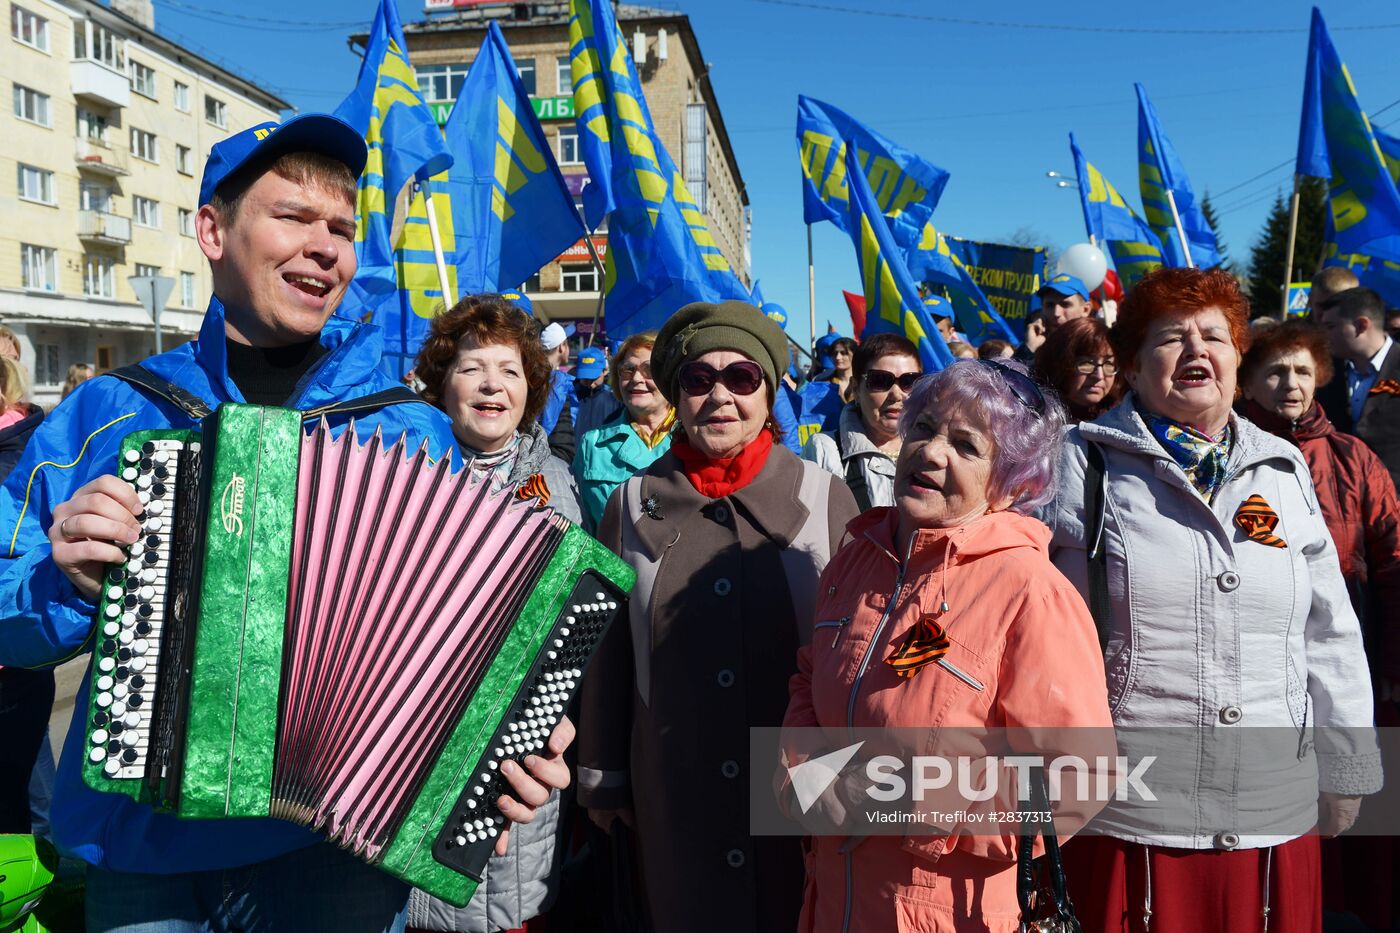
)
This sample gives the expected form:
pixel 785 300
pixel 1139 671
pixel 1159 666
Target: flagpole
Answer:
pixel 811 294
pixel 449 294
pixel 597 264
pixel 1292 240
pixel 1180 230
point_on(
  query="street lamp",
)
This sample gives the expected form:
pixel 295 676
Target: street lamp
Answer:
pixel 1062 180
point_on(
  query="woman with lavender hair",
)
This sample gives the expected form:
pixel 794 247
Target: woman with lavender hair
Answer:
pixel 943 613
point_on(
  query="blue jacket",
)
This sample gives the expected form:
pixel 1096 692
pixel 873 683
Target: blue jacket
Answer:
pixel 44 621
pixel 607 457
pixel 561 393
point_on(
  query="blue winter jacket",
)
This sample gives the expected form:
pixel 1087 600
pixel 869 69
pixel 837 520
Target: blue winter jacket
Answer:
pixel 44 621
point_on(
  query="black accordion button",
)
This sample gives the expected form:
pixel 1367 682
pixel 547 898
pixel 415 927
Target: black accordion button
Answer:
pixel 124 655
pixel 151 557
pixel 162 473
pixel 114 747
pixel 129 756
pixel 148 448
pixel 147 464
pixel 153 541
pixel 130 601
pixel 145 610
pixel 158 491
pixel 117 576
pixel 137 682
pixel 123 673
pixel 133 701
pixel 99 718
pixel 109 646
pixel 116 728
pixel 143 628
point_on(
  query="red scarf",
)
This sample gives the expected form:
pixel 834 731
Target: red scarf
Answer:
pixel 715 479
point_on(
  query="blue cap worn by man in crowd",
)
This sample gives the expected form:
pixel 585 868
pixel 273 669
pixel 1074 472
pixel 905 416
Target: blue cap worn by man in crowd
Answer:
pixel 1064 298
pixel 592 363
pixel 309 132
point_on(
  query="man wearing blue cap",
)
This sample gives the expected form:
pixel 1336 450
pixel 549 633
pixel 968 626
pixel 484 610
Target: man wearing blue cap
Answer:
pixel 277 222
pixel 1064 298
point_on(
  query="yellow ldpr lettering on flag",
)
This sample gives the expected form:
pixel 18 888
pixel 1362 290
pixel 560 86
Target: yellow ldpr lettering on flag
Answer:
pixel 1348 210
pixel 413 253
pixel 699 229
pixel 893 189
pixel 393 88
pixel 881 291
pixel 517 159
pixel 1100 190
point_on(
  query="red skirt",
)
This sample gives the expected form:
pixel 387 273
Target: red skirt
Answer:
pixel 1194 891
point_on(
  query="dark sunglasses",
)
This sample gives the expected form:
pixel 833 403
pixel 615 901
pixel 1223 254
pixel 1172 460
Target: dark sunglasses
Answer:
pixel 877 380
pixel 1021 386
pixel 741 378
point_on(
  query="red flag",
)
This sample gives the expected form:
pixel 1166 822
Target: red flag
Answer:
pixel 856 304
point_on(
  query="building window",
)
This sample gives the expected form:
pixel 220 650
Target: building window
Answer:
pixel 186 217
pixel 568 147
pixel 566 75
pixel 38 267
pixel 182 160
pixel 532 284
pixel 46 371
pixel 143 145
pixel 143 79
pixel 35 184
pixel 94 197
pixel 92 125
pixel 143 269
pixel 145 212
pixel 32 106
pixel 578 278
pixel 99 276
pixel 104 359
pixel 216 111
pixel 440 83
pixel 29 28
pixel 526 67
pixel 187 290
pixel 97 43
pixel 182 97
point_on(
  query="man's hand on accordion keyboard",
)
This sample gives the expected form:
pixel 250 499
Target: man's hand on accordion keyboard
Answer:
pixel 533 784
pixel 89 529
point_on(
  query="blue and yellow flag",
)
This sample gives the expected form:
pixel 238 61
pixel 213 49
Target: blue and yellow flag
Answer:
pixel 1160 171
pixel 906 187
pixel 1131 242
pixel 513 212
pixel 661 254
pixel 404 143
pixel 1382 275
pixel 1336 141
pixel 892 302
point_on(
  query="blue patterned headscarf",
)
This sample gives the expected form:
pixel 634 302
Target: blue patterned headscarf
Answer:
pixel 1201 457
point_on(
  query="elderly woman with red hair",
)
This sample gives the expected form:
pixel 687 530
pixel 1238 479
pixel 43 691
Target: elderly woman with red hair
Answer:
pixel 1196 538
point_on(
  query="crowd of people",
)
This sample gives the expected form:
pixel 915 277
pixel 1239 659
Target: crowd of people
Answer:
pixel 1185 519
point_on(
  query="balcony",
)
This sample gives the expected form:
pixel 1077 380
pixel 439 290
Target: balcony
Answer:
pixel 101 157
pixel 96 81
pixel 102 227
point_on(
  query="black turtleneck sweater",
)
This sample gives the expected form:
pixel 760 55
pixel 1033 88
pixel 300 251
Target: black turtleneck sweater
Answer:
pixel 269 375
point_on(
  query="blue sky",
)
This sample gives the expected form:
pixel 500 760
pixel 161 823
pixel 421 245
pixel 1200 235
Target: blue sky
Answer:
pixel 991 101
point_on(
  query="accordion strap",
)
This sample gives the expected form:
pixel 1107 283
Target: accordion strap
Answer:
pixel 397 395
pixel 141 377
pixel 196 408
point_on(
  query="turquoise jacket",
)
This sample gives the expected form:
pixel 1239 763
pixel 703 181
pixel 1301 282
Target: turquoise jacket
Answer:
pixel 608 456
pixel 44 621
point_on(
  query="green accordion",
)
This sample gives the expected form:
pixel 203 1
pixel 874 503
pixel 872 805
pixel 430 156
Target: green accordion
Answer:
pixel 339 633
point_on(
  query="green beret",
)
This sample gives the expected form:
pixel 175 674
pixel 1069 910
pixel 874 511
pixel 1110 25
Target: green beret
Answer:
pixel 701 327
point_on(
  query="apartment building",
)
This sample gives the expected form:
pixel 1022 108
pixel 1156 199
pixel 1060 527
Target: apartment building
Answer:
pixel 105 140
pixel 674 79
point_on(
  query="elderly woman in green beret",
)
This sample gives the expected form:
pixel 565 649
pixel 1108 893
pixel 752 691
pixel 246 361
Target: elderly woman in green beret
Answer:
pixel 728 532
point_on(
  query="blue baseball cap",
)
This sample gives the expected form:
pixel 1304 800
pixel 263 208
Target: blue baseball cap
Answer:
pixel 938 307
pixel 308 132
pixel 520 301
pixel 592 363
pixel 776 313
pixel 1066 284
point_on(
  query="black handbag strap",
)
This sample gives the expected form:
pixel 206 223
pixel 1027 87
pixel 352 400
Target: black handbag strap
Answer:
pixel 196 408
pixel 1095 516
pixel 1028 868
pixel 855 476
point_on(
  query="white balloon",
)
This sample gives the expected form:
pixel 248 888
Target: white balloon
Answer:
pixel 1086 262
